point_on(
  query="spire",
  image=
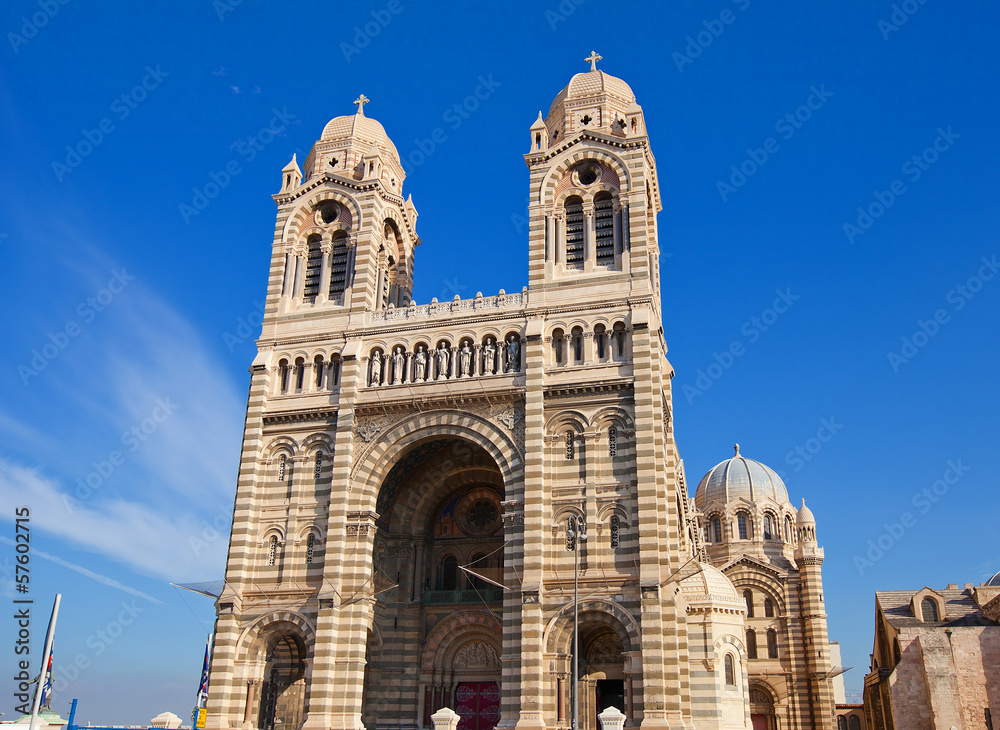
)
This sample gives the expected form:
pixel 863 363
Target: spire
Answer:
pixel 593 58
pixel 292 166
pixel 291 176
pixel 360 104
pixel 737 448
pixel 539 123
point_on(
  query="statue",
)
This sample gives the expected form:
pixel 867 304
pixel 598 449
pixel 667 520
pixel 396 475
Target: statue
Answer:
pixel 465 361
pixel 376 378
pixel 513 355
pixel 489 357
pixel 442 358
pixel 420 371
pixel 398 360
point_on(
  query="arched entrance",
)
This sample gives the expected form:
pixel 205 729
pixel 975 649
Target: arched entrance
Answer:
pixel 608 638
pixel 283 689
pixel 762 708
pixel 437 562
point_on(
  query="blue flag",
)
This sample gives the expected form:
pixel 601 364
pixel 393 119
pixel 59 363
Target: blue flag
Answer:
pixel 203 687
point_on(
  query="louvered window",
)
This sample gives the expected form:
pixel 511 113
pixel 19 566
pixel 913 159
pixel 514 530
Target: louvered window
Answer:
pixel 574 232
pixel 604 229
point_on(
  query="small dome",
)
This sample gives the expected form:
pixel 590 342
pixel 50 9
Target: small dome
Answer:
pixel 739 477
pixel 994 581
pixel 709 581
pixel 594 83
pixel 359 127
pixel 805 515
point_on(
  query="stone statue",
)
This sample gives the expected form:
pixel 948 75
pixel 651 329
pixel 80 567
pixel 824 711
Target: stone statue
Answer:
pixel 489 357
pixel 465 361
pixel 513 355
pixel 420 371
pixel 442 358
pixel 398 360
pixel 376 378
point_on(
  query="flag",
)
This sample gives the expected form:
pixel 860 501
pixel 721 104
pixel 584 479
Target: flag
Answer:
pixel 203 687
pixel 47 685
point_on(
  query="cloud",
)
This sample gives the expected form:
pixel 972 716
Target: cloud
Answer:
pixel 140 463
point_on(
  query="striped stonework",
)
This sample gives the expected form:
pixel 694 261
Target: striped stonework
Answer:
pixel 408 471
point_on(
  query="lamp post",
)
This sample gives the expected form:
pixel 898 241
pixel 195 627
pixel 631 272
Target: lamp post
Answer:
pixel 576 533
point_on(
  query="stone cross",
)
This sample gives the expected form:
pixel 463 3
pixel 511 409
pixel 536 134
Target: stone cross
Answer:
pixel 593 58
pixel 362 100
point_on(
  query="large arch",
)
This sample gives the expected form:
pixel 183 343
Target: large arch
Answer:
pixel 436 483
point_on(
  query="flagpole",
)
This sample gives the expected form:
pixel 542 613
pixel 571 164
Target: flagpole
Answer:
pixel 49 636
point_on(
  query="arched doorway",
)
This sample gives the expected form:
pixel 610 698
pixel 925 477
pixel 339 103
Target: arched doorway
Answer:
pixel 438 555
pixel 608 641
pixel 762 708
pixel 282 696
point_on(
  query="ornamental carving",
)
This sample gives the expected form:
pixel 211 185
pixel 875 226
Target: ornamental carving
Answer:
pixel 476 655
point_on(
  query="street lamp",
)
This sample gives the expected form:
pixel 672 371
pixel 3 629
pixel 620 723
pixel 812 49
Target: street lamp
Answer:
pixel 576 532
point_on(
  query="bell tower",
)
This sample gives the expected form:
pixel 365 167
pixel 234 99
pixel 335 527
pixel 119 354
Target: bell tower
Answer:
pixel 594 192
pixel 345 236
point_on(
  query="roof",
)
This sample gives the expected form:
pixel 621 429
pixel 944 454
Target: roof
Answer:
pixel 739 477
pixel 960 609
pixel 358 126
pixel 594 83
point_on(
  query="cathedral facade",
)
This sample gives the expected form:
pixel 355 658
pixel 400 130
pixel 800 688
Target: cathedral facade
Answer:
pixel 415 479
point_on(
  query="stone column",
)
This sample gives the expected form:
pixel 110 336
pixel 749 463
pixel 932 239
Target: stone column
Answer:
pixel 477 360
pixel 408 367
pixel 549 239
pixel 300 277
pixel 589 237
pixel 452 365
pixel 589 348
pixel 289 278
pixel 616 221
pixel 324 273
pixel 559 244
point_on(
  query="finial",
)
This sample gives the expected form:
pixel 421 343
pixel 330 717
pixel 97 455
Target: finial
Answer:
pixel 360 104
pixel 803 502
pixel 737 447
pixel 593 58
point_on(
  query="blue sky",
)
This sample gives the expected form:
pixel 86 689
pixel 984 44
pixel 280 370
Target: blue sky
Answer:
pixel 138 312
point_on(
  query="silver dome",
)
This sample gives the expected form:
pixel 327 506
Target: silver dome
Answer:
pixel 739 477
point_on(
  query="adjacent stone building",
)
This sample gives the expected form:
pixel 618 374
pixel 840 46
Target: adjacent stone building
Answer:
pixel 936 659
pixel 409 471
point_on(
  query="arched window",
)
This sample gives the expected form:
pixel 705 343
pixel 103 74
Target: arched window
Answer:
pixel 449 573
pixel 310 548
pixel 612 442
pixel 300 374
pixel 272 549
pixel 768 527
pixel 283 376
pixel 751 644
pixel 558 341
pixel 768 608
pixel 742 522
pixel 772 644
pixel 730 666
pixel 282 465
pixel 604 229
pixel 855 723
pixel 338 266
pixel 314 259
pixel 318 367
pixel 574 232
pixel 334 378
pixel 716 529
pixel 841 722
pixel 615 527
pixel 618 337
pixel 929 609
pixel 600 341
pixel 570 449
pixel 748 597
pixel 577 341
pixel 319 465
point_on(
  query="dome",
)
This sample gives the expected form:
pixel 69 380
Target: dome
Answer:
pixel 994 581
pixel 739 477
pixel 359 127
pixel 805 515
pixel 709 581
pixel 594 83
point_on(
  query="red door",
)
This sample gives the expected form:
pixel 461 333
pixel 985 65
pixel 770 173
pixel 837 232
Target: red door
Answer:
pixel 759 722
pixel 478 705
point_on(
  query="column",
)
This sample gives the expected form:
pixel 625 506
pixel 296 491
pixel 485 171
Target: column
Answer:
pixel 286 283
pixel 300 275
pixel 549 238
pixel 477 360
pixel 616 222
pixel 589 348
pixel 408 368
pixel 559 242
pixel 324 273
pixel 452 365
pixel 589 256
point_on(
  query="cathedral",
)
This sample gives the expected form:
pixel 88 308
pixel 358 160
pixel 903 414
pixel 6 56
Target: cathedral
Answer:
pixel 432 496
